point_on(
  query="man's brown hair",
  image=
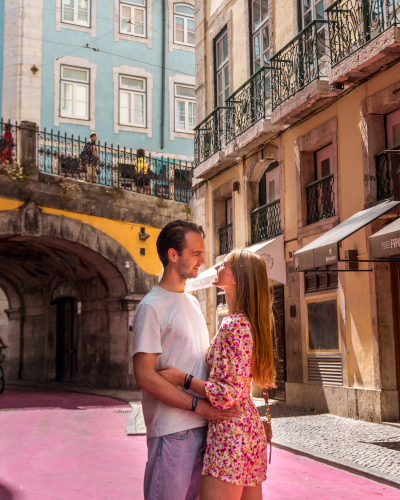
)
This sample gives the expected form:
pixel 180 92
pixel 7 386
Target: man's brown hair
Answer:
pixel 173 235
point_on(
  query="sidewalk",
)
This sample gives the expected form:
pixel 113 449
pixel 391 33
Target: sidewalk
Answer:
pixel 63 446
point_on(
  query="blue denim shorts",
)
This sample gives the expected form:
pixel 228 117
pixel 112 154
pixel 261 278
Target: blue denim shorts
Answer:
pixel 174 465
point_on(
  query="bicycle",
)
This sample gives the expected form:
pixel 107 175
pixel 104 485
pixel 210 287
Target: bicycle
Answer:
pixel 2 379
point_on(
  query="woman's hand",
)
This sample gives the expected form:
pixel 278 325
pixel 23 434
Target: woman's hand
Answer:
pixel 173 375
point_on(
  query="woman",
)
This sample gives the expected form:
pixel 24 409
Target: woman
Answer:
pixel 235 461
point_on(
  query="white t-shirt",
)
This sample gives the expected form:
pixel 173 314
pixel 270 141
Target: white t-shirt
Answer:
pixel 171 325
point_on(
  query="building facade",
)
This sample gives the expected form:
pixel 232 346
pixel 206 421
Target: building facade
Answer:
pixel 298 112
pixel 78 227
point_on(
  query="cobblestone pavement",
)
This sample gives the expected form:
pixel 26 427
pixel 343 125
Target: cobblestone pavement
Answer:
pixel 367 444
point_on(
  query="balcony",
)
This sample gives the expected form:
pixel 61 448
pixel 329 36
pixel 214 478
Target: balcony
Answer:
pixel 385 162
pixel 248 115
pixel 266 222
pixel 364 37
pixel 300 75
pixel 320 199
pixel 209 142
pixel 225 239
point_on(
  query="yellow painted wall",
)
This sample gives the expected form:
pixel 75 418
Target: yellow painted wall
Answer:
pixel 282 11
pixel 125 233
pixel 356 285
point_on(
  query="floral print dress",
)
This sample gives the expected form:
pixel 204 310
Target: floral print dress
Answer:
pixel 236 450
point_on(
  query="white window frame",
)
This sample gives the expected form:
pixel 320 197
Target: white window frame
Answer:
pixel 187 101
pixel 75 21
pixel 133 93
pixel 258 31
pixel 220 69
pixel 312 10
pixel 74 84
pixel 133 6
pixel 186 18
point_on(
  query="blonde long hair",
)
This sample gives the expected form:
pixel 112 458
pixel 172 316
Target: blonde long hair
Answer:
pixel 253 298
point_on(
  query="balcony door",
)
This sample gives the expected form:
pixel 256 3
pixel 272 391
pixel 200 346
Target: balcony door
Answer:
pixel 222 69
pixel 324 174
pixel 269 188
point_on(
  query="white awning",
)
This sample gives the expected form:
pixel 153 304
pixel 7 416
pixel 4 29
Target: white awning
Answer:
pixel 273 251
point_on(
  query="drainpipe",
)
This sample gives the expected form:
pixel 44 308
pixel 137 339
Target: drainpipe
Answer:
pixel 163 75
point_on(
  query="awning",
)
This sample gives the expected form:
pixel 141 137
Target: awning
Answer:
pixel 325 249
pixel 385 242
pixel 273 251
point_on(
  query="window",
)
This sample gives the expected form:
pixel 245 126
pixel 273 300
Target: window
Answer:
pixel 184 24
pixel 76 12
pixel 260 33
pixel 393 129
pixel 133 17
pixel 132 101
pixel 269 189
pixel 75 93
pixel 321 279
pixel 185 108
pixel 311 10
pixel 323 162
pixel 229 211
pixel 222 69
pixel 322 325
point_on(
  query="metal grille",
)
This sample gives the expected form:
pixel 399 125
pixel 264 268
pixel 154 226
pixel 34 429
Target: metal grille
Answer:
pixel 325 370
pixel 8 142
pixel 384 184
pixel 225 239
pixel 320 199
pixel 353 23
pixel 303 60
pixel 266 222
pixel 115 167
pixel 249 103
pixel 209 135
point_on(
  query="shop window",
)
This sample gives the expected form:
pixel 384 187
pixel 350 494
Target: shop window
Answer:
pixel 133 17
pixel 74 93
pixel 321 279
pixel 393 129
pixel 132 99
pixel 222 69
pixel 260 33
pixel 185 108
pixel 76 12
pixel 322 325
pixel 184 24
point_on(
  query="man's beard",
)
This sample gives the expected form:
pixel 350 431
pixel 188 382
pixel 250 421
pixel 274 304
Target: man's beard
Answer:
pixel 185 272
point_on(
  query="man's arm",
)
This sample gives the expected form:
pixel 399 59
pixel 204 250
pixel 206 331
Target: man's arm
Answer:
pixel 150 381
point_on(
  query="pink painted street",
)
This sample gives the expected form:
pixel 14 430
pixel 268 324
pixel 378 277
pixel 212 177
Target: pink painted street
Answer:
pixel 64 446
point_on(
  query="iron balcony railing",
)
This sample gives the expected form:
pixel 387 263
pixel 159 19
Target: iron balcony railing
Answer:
pixel 114 167
pixel 303 60
pixel 225 239
pixel 266 222
pixel 209 135
pixel 384 163
pixel 8 143
pixel 353 23
pixel 320 199
pixel 249 103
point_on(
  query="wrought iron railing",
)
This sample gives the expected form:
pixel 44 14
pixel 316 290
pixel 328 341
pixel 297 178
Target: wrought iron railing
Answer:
pixel 353 23
pixel 225 239
pixel 114 167
pixel 209 135
pixel 320 199
pixel 303 60
pixel 266 222
pixel 249 103
pixel 383 164
pixel 9 151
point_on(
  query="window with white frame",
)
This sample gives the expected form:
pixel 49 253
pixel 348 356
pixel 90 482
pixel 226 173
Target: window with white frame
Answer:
pixel 260 32
pixel 132 101
pixel 74 93
pixel 222 69
pixel 184 24
pixel 133 17
pixel 76 12
pixel 311 10
pixel 185 108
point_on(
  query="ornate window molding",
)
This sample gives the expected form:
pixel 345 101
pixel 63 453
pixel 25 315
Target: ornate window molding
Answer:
pixel 172 80
pixel 76 62
pixel 133 38
pixel 77 27
pixel 141 73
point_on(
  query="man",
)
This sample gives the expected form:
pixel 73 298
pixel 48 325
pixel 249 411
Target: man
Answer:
pixel 89 158
pixel 169 329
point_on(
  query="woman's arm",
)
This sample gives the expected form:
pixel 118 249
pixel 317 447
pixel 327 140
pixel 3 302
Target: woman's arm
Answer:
pixel 176 377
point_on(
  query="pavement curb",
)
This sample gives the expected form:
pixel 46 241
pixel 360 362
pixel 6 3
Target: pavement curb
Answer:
pixel 360 470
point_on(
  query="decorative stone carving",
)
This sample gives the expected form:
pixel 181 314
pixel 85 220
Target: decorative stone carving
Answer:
pixel 31 219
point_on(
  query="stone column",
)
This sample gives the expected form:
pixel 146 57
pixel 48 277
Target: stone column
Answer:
pixel 28 149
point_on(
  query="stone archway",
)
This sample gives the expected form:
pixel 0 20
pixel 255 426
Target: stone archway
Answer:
pixel 40 251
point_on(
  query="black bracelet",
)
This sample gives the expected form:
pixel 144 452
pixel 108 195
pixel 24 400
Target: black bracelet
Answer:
pixel 186 376
pixel 188 381
pixel 194 403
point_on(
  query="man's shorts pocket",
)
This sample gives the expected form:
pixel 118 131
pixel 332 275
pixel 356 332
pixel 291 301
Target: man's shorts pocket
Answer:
pixel 178 436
